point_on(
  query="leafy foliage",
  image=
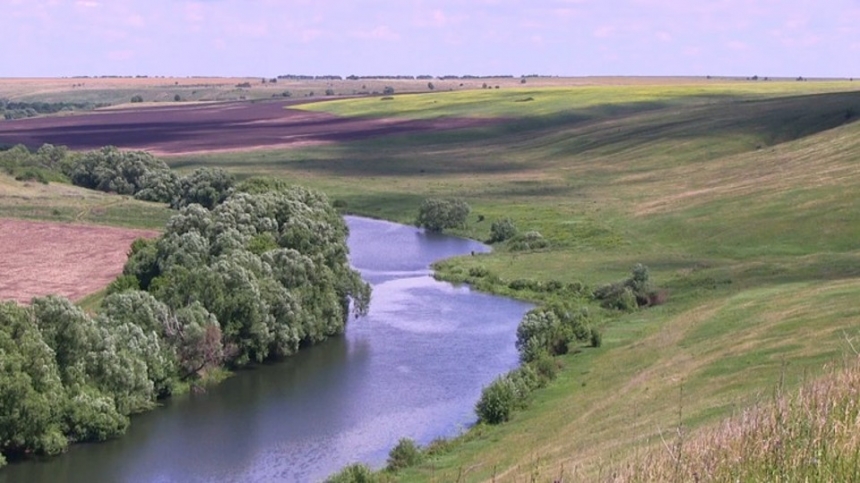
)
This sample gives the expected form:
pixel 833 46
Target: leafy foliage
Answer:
pixel 530 240
pixel 355 473
pixel 404 455
pixel 112 170
pixel 207 187
pixel 631 293
pixel 550 330
pixel 502 230
pixel 438 214
pixel 271 268
pixel 44 165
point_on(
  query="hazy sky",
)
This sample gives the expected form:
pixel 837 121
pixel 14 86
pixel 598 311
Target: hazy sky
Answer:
pixel 364 37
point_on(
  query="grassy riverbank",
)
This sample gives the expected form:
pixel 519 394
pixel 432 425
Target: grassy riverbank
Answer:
pixel 738 197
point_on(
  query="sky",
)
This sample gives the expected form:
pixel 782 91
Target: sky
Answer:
pixel 777 38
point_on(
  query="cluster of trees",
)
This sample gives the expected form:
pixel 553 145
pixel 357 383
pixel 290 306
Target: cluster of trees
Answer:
pixel 254 278
pixel 68 377
pixel 436 214
pixel 131 173
pixel 10 110
pixel 44 165
pixel 309 77
pixel 271 268
pixel 544 333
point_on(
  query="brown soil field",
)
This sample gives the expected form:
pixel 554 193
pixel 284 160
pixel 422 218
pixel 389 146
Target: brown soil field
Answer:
pixel 229 126
pixel 72 260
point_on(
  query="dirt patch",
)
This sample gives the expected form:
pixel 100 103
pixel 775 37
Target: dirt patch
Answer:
pixel 233 126
pixel 59 258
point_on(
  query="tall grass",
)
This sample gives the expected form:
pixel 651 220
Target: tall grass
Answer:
pixel 812 435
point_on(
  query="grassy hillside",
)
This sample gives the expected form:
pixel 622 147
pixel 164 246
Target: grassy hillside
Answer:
pixel 740 198
pixel 62 202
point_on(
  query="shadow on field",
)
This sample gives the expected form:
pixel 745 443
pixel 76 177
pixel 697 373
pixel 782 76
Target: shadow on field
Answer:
pixel 768 122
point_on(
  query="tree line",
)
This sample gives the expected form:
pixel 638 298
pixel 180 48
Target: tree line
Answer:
pixel 10 110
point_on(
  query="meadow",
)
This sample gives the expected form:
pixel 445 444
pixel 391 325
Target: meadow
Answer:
pixel 739 197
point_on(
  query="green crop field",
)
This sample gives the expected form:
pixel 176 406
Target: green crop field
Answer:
pixel 739 197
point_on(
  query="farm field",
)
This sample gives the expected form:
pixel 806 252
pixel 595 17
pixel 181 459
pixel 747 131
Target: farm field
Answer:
pixel 740 198
pixel 72 260
pixel 119 90
pixel 201 128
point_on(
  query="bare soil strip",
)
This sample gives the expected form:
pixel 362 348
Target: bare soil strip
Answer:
pixel 231 126
pixel 72 260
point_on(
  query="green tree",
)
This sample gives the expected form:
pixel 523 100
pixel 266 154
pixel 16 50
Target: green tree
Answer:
pixel 31 391
pixel 502 230
pixel 112 170
pixel 438 214
pixel 207 187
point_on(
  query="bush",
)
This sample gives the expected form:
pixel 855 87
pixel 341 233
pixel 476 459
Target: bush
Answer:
pixel 550 330
pixel 478 272
pixel 596 338
pixel 438 214
pixel 404 455
pixel 631 293
pixel 388 91
pixel 136 99
pixel 530 240
pixel 497 401
pixel 546 367
pixel 123 283
pixel 355 473
pixel 502 230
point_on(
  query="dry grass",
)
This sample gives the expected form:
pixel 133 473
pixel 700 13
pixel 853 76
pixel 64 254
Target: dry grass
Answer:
pixel 72 260
pixel 812 435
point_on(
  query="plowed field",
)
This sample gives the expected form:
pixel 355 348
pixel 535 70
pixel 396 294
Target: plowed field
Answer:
pixel 59 258
pixel 197 128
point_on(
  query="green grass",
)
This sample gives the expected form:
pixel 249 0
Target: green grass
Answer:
pixel 66 203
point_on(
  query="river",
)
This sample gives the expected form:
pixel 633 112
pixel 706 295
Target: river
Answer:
pixel 414 367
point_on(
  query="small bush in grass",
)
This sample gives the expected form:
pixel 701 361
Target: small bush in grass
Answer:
pixel 546 367
pixel 596 338
pixel 437 447
pixel 636 291
pixel 478 272
pixel 502 230
pixel 136 99
pixel 404 455
pixel 355 473
pixel 530 240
